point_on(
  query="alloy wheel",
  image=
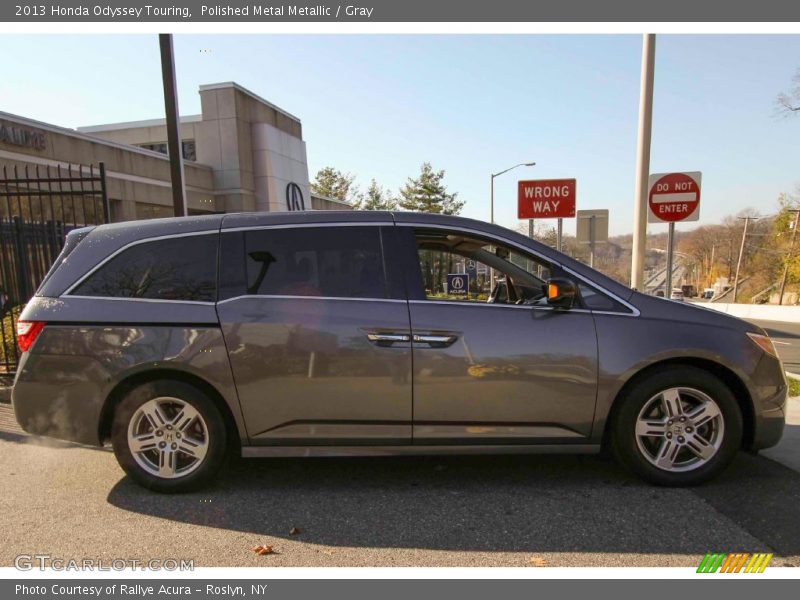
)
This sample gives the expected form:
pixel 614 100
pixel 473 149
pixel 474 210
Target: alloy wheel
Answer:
pixel 168 437
pixel 680 429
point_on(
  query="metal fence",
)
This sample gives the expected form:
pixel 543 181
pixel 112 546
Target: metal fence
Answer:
pixel 39 206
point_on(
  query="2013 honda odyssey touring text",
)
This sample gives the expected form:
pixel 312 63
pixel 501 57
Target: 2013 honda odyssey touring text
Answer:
pixel 184 340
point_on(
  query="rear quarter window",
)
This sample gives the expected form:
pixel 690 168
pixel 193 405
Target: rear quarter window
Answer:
pixel 181 268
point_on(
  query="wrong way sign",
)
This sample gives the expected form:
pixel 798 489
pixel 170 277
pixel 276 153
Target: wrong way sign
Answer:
pixel 674 197
pixel 546 199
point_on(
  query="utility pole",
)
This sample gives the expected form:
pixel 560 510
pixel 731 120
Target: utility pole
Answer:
pixel 710 278
pixel 789 258
pixel 173 124
pixel 741 253
pixel 643 161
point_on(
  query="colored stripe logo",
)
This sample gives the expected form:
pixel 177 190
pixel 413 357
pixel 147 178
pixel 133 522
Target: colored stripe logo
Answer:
pixel 739 562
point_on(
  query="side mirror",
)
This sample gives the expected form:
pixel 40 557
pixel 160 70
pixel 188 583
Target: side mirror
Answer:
pixel 561 292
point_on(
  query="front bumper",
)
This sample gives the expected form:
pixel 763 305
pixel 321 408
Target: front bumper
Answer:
pixel 769 424
pixel 769 392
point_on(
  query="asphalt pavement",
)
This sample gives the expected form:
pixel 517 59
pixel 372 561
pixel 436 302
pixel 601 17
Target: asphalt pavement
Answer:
pixel 73 502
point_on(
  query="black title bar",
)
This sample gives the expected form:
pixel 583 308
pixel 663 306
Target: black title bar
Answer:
pixel 381 11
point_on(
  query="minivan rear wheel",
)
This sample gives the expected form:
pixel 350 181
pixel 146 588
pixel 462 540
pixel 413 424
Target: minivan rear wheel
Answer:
pixel 680 426
pixel 169 436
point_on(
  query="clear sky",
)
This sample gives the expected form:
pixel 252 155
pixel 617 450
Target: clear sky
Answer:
pixel 378 106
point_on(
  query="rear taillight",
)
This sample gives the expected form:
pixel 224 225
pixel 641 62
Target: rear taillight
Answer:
pixel 27 332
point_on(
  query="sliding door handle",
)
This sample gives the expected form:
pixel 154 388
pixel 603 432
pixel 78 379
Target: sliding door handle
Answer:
pixel 387 339
pixel 435 340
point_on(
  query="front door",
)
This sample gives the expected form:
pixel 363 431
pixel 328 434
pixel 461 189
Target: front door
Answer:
pixel 492 362
pixel 319 342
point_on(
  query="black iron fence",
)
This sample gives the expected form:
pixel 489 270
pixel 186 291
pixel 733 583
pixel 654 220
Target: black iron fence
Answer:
pixel 39 206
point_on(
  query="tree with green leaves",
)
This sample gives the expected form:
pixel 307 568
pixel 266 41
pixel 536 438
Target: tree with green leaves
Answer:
pixel 427 193
pixel 377 198
pixel 333 183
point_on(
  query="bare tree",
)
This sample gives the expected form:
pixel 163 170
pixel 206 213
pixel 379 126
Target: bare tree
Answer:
pixel 789 102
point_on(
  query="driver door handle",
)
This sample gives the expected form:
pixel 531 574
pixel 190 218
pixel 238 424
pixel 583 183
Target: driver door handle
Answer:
pixel 387 339
pixel 436 340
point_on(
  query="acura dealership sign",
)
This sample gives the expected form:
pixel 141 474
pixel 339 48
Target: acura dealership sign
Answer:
pixel 22 136
pixel 294 197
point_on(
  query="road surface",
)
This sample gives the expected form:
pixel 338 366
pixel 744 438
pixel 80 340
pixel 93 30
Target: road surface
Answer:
pixel 73 502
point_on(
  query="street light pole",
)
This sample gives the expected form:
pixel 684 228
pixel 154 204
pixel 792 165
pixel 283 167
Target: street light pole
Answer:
pixel 643 161
pixel 504 171
pixel 491 206
pixel 173 125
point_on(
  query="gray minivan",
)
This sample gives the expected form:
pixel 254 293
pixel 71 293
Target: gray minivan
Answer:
pixel 182 341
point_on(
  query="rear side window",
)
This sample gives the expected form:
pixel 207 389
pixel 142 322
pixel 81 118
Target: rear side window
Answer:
pixel 182 268
pixel 339 262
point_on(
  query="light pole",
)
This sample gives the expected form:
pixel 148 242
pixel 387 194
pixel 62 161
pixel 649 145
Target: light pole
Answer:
pixel 491 206
pixel 643 161
pixel 173 125
pixel 491 213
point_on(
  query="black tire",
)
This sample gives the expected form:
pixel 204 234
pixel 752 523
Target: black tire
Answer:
pixel 216 438
pixel 623 423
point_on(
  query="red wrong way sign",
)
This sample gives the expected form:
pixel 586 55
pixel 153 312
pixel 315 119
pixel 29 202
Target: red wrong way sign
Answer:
pixel 546 199
pixel 674 197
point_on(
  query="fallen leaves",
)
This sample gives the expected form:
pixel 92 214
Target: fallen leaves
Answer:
pixel 263 550
pixel 294 531
pixel 537 561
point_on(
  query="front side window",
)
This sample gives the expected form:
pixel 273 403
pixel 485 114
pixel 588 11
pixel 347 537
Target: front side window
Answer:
pixel 181 268
pixel 456 266
pixel 337 262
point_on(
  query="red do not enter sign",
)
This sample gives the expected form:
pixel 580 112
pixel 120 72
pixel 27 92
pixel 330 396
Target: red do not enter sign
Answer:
pixel 674 197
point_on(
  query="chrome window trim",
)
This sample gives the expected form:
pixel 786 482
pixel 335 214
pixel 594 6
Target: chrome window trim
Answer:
pixel 634 311
pixel 295 297
pixel 118 298
pixel 94 269
pixel 500 305
pixel 68 292
pixel 306 225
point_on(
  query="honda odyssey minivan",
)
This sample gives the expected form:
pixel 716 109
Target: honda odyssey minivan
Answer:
pixel 183 341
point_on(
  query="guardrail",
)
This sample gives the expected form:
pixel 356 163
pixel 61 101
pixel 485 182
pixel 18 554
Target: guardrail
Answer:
pixel 764 312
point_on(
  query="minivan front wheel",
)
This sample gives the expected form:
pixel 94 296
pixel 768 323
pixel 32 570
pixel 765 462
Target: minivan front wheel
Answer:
pixel 168 436
pixel 680 426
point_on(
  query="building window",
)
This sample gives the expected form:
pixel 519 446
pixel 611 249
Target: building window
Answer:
pixel 188 148
pixel 161 147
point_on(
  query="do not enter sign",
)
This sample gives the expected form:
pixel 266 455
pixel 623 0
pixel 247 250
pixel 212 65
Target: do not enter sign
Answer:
pixel 674 197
